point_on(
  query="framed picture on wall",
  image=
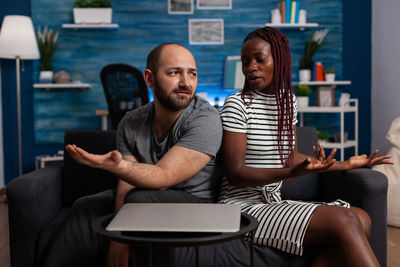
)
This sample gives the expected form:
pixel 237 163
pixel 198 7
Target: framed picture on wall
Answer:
pixel 326 96
pixel 214 4
pixel 206 31
pixel 179 7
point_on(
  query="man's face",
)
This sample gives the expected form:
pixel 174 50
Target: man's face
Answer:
pixel 176 80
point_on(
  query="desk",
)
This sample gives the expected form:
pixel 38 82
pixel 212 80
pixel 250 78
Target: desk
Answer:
pixel 163 239
pixel 104 118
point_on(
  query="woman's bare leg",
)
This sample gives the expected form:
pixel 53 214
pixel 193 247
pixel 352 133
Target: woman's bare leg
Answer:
pixel 343 236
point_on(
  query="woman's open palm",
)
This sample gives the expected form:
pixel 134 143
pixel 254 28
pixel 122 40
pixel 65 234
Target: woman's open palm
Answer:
pixel 318 163
pixel 364 161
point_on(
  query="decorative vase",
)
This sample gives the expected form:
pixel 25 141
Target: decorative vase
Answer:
pixel 302 101
pixel 276 16
pixel 62 77
pixel 302 16
pixel 305 75
pixel 92 15
pixel 330 77
pixel 46 76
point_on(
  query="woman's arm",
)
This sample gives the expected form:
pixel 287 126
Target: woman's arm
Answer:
pixel 353 162
pixel 234 154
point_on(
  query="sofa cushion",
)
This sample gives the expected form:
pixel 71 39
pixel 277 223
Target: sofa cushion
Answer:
pixel 305 187
pixel 237 253
pixel 80 180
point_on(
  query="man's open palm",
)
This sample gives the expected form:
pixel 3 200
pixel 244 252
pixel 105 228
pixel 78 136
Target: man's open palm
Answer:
pixel 107 161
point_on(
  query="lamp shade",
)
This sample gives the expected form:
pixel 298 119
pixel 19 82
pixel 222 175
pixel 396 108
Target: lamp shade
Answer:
pixel 17 38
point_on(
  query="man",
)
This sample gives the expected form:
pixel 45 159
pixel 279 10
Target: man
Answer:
pixel 167 152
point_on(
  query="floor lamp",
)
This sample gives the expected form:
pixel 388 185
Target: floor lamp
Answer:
pixel 18 41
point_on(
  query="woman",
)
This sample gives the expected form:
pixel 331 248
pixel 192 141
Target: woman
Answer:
pixel 260 150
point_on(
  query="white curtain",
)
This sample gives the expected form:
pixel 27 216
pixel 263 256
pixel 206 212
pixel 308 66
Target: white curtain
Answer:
pixel 1 137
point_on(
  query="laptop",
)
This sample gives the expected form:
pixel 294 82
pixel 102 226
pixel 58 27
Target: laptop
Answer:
pixel 176 217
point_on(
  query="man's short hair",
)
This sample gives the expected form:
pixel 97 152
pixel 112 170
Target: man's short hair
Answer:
pixel 153 59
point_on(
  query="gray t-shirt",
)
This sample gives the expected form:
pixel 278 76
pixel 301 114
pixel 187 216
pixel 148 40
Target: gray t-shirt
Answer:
pixel 198 127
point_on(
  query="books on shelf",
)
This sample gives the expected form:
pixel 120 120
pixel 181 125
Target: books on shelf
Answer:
pixel 233 76
pixel 317 72
pixel 288 6
pixel 289 11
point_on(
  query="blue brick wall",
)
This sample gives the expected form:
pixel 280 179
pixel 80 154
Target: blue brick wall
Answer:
pixel 143 25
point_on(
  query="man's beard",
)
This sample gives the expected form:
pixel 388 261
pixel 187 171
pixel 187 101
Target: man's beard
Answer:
pixel 170 103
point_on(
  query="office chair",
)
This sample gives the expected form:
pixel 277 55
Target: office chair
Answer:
pixel 124 88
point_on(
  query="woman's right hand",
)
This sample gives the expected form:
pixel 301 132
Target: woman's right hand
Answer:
pixel 318 163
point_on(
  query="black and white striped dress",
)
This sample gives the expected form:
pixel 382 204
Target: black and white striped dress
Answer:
pixel 282 223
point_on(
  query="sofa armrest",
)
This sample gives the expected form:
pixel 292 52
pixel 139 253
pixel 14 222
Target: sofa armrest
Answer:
pixel 366 189
pixel 34 199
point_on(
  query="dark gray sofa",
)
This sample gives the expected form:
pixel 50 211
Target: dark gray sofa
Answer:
pixel 39 200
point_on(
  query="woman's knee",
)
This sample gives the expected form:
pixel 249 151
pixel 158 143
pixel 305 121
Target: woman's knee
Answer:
pixel 365 220
pixel 347 223
pixel 332 224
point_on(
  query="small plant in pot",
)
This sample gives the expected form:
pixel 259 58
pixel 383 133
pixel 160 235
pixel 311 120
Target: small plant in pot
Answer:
pixel 305 69
pixel 47 42
pixel 323 136
pixel 330 75
pixel 92 11
pixel 302 91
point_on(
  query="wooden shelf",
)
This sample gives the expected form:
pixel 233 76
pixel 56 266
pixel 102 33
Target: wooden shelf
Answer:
pixel 347 144
pixel 91 26
pixel 48 86
pixel 336 109
pixel 323 83
pixel 298 26
pixel 352 107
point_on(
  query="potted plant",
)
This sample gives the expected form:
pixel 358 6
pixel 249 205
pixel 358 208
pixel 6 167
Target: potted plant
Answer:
pixel 323 136
pixel 92 11
pixel 302 91
pixel 330 75
pixel 314 42
pixel 47 40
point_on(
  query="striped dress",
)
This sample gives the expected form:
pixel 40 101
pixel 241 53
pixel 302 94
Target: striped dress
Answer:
pixel 282 223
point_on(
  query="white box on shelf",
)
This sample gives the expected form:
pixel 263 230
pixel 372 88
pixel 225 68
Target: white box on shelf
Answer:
pixel 43 161
pixel 92 15
pixel 233 75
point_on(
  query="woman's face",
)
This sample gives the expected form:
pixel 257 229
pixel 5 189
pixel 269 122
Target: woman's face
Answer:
pixel 258 65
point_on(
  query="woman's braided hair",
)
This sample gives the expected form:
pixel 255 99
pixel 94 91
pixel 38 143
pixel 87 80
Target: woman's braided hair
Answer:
pixel 282 84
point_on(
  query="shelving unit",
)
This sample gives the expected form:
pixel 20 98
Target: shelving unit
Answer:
pixel 90 26
pixel 353 107
pixel 323 83
pixel 49 86
pixel 294 26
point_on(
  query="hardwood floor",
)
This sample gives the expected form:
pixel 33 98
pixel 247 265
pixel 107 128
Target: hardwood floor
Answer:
pixel 393 240
pixel 393 247
pixel 4 240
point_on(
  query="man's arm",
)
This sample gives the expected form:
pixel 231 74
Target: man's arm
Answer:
pixel 177 165
pixel 123 187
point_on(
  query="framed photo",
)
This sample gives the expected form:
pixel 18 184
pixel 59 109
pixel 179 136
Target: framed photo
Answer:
pixel 206 31
pixel 180 7
pixel 326 96
pixel 214 4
